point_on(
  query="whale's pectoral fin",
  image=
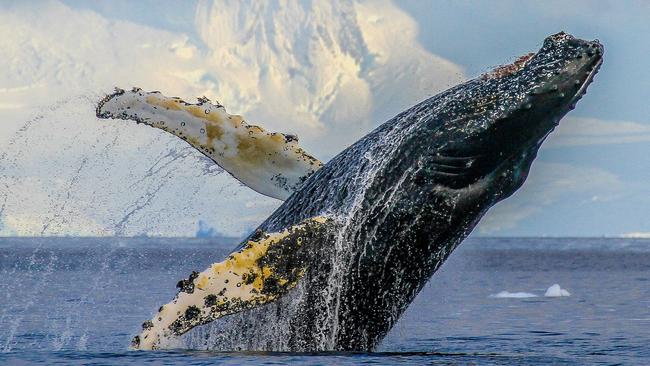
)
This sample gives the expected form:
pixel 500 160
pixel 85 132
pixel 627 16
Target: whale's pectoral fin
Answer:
pixel 262 270
pixel 270 163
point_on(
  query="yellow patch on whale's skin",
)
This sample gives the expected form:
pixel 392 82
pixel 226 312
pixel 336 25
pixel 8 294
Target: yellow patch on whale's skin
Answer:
pixel 258 273
pixel 270 163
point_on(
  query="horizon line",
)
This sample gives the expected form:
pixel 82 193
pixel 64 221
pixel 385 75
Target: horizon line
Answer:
pixel 622 236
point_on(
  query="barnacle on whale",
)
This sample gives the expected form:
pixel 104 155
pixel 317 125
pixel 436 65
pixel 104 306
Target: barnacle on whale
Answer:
pixel 264 268
pixel 268 162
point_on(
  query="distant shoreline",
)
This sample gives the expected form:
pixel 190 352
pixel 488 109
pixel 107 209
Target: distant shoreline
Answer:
pixel 233 238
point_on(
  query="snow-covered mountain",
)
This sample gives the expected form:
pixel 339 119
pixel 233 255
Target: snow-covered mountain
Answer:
pixel 327 71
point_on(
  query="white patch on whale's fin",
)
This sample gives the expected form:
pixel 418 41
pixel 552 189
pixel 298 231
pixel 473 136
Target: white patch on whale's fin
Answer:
pixel 265 268
pixel 270 163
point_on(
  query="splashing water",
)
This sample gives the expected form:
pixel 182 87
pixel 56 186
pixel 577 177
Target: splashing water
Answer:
pixel 64 172
pixel 264 328
pixel 453 320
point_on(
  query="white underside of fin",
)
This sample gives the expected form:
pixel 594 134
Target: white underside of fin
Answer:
pixel 260 272
pixel 270 163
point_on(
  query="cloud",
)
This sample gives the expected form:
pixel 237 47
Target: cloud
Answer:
pixel 579 131
pixel 329 71
pixel 330 77
pixel 548 184
pixel 553 185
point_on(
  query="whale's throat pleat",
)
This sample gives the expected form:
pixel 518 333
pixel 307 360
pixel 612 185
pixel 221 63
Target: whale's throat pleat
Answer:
pixel 452 165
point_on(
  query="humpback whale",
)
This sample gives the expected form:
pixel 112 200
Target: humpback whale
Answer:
pixel 357 238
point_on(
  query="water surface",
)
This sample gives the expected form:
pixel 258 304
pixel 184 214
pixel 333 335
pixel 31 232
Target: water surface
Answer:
pixel 80 300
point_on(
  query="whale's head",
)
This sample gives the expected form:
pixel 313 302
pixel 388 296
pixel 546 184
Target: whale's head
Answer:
pixel 492 127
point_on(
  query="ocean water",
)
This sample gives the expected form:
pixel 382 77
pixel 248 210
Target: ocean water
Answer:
pixel 80 300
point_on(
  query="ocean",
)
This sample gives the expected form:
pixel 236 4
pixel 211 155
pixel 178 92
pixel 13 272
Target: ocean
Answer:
pixel 80 300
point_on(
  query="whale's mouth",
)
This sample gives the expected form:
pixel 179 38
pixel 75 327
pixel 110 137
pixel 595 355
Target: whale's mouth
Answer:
pixel 598 61
pixel 593 69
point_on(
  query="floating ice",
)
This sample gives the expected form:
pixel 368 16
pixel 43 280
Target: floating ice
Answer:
pixel 206 231
pixel 513 295
pixel 553 291
pixel 556 291
pixel 637 235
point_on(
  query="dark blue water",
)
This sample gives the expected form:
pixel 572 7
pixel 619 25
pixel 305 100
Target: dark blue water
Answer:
pixel 79 301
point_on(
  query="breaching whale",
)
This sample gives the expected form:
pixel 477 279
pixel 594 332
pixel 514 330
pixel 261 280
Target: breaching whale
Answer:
pixel 335 266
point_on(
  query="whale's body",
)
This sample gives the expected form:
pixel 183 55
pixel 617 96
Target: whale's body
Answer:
pixel 374 223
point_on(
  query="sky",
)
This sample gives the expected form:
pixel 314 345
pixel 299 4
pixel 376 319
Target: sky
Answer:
pixel 326 71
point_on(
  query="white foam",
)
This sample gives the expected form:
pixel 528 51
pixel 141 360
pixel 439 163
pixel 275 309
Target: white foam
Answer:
pixel 513 295
pixel 556 291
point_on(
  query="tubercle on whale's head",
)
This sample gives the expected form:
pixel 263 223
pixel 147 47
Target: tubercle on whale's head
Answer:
pixel 558 75
pixel 539 89
pixel 497 122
